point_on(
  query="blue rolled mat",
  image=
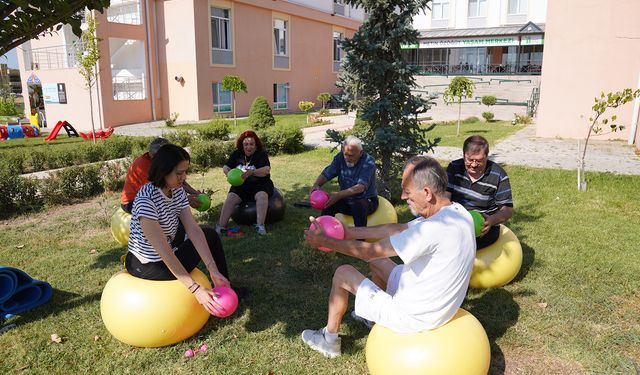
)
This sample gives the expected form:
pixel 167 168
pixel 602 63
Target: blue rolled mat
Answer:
pixel 19 292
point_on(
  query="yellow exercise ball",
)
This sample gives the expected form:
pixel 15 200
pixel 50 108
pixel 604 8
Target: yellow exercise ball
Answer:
pixel 150 313
pixel 120 222
pixel 385 214
pixel 499 263
pixel 459 347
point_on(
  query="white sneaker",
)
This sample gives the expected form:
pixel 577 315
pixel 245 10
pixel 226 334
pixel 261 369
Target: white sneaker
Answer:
pixel 362 320
pixel 316 341
pixel 220 229
pixel 260 229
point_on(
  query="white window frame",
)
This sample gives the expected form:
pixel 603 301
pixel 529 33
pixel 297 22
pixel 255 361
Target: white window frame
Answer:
pixel 440 5
pixel 476 8
pixel 223 26
pixel 219 93
pixel 336 47
pixel 285 31
pixel 521 7
pixel 279 104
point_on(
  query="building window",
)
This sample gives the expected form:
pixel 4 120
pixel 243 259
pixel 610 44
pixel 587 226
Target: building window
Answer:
pixel 280 37
pixel 128 69
pixel 440 10
pixel 477 8
pixel 221 99
pixel 517 7
pixel 221 38
pixel 124 11
pixel 280 95
pixel 280 43
pixel 337 50
pixel 338 7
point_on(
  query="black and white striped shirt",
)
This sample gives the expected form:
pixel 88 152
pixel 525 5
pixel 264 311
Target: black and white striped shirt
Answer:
pixel 486 195
pixel 151 203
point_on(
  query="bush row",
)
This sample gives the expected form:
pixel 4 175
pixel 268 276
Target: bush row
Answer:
pixel 66 186
pixel 54 156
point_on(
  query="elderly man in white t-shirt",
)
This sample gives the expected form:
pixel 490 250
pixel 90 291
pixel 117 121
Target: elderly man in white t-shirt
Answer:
pixel 424 292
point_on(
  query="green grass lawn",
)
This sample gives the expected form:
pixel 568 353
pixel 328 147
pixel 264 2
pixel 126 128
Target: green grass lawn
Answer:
pixel 298 119
pixel 573 308
pixel 492 131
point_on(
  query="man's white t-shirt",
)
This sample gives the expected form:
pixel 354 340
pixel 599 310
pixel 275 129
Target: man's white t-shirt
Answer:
pixel 438 254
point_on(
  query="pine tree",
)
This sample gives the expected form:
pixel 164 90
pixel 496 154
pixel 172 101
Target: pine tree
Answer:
pixel 382 82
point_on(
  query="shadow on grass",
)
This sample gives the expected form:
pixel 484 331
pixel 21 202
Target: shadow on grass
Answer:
pixel 60 302
pixel 497 310
pixel 524 215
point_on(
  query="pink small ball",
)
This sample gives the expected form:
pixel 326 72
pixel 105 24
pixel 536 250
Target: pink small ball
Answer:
pixel 332 227
pixel 319 199
pixel 227 299
pixel 189 353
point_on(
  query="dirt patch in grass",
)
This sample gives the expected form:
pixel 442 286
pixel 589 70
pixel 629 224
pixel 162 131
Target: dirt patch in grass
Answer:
pixel 519 362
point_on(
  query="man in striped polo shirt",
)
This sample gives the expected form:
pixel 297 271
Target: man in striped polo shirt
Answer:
pixel 479 184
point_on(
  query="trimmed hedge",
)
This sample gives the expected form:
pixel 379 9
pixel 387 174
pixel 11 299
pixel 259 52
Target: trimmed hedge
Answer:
pixel 282 139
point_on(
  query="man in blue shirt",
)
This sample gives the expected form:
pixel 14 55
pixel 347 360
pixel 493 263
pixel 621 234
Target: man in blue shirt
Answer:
pixel 356 172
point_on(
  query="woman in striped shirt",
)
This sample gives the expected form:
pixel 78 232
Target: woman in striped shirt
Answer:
pixel 156 250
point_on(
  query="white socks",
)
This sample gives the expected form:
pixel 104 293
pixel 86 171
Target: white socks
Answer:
pixel 330 337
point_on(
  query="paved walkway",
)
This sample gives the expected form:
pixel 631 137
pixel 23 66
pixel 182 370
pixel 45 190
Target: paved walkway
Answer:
pixel 521 148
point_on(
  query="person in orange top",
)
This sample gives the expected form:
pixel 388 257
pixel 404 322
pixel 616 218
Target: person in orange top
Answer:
pixel 138 175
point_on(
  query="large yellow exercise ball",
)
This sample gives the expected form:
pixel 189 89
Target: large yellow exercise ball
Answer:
pixel 459 347
pixel 499 263
pixel 385 214
pixel 150 313
pixel 120 222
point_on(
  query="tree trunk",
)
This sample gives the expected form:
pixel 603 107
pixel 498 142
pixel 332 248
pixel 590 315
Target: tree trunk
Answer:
pixel 93 126
pixel 459 113
pixel 234 109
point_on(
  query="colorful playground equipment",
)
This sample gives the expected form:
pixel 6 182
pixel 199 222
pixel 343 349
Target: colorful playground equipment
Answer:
pixel 18 131
pixel 101 134
pixel 71 131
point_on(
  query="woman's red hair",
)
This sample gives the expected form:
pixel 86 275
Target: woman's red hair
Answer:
pixel 248 134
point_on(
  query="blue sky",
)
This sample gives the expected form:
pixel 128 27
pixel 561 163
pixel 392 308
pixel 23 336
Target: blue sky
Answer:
pixel 10 58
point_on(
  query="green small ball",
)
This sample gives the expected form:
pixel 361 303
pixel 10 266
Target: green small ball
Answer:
pixel 235 177
pixel 205 202
pixel 478 221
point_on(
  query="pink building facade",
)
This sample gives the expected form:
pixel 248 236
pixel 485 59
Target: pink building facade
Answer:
pixel 590 47
pixel 164 57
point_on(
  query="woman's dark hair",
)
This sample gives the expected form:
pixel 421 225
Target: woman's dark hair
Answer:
pixel 165 160
pixel 248 134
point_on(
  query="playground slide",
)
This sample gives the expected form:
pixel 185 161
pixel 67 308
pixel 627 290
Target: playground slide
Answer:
pixel 19 292
pixel 54 132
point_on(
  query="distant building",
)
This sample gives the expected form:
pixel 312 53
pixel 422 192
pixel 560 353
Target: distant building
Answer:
pixel 164 57
pixel 591 47
pixel 11 78
pixel 479 37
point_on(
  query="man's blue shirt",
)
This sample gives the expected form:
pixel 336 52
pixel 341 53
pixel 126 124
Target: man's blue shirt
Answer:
pixel 363 173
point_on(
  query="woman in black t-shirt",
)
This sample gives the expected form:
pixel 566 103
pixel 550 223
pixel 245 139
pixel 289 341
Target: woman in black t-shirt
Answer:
pixel 249 157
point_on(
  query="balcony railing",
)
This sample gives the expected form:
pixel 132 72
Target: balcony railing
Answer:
pixel 483 69
pixel 129 88
pixel 56 57
pixel 128 14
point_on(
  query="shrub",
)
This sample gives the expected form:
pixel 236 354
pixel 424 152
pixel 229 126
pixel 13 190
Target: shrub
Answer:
pixel 323 112
pixel 470 120
pixel 489 100
pixel 521 119
pixel 260 115
pixel 73 183
pixel 180 138
pixel 488 116
pixel 216 128
pixel 324 98
pixel 18 194
pixel 171 121
pixel 113 175
pixel 209 153
pixel 287 139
